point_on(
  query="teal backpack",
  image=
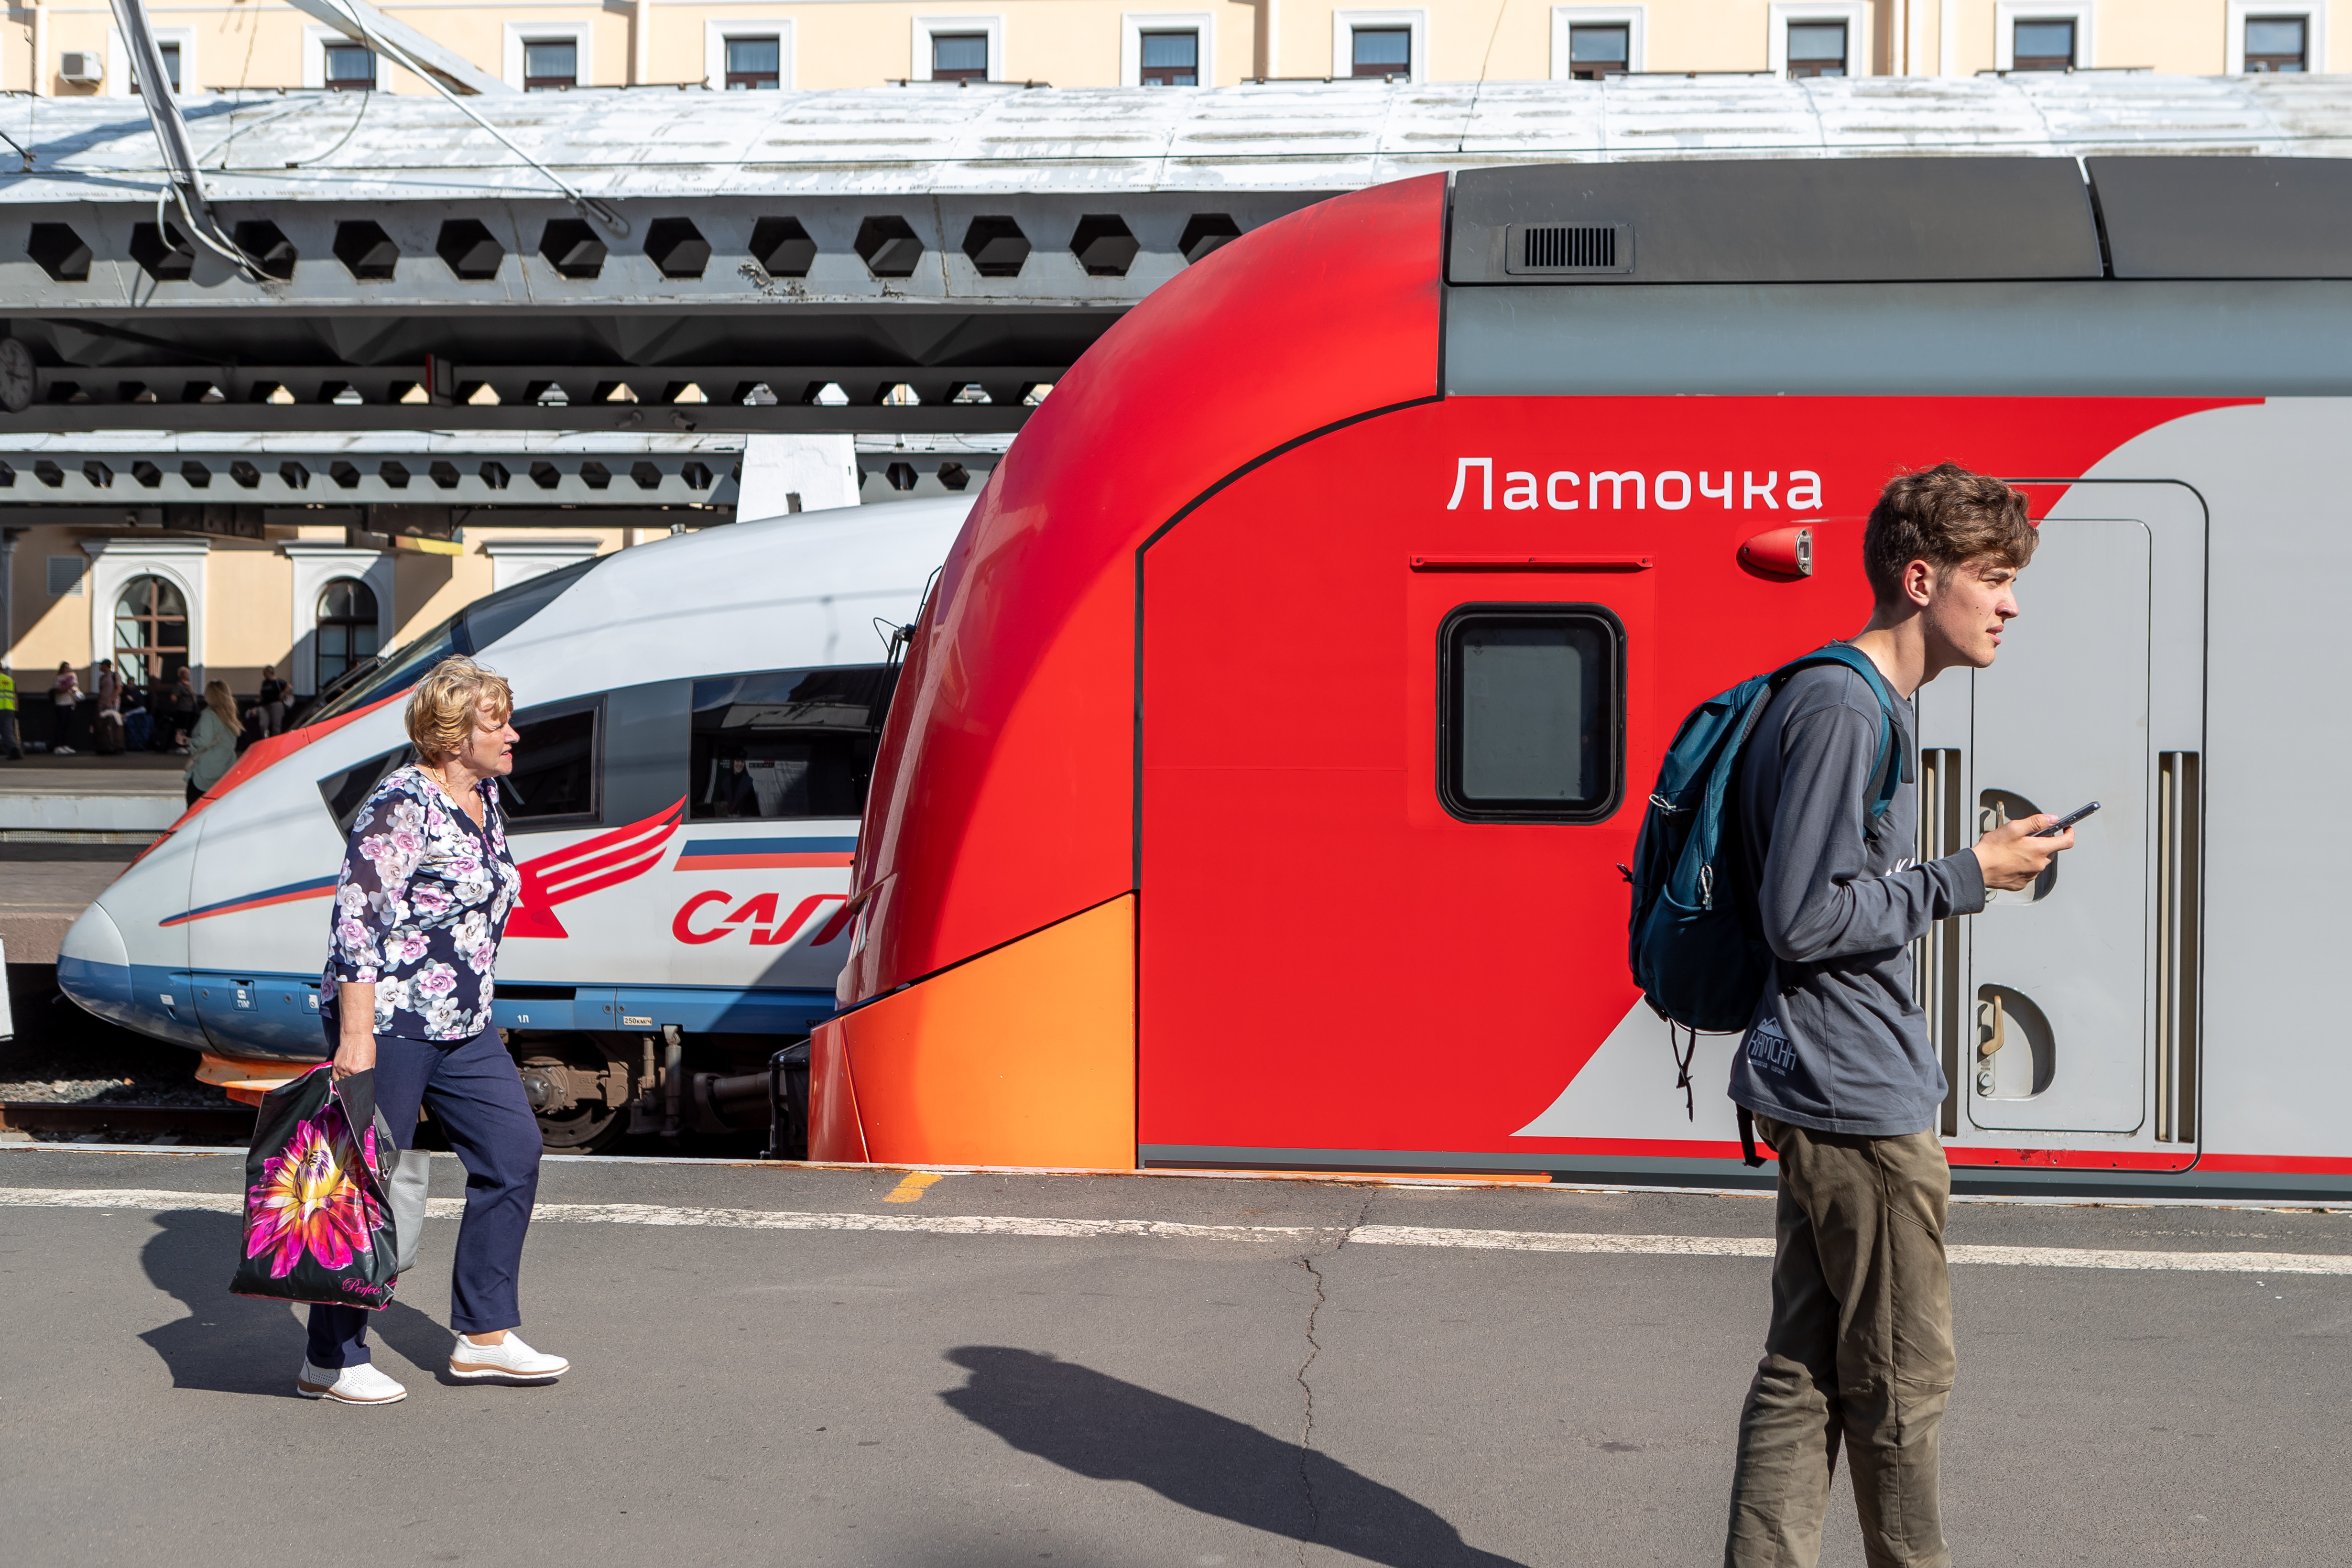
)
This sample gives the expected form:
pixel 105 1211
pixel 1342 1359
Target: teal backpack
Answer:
pixel 1694 954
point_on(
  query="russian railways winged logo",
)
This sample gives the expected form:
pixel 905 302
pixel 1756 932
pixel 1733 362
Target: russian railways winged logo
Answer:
pixel 588 866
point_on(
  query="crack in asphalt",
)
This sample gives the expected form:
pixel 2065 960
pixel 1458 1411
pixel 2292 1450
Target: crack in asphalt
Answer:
pixel 1307 1389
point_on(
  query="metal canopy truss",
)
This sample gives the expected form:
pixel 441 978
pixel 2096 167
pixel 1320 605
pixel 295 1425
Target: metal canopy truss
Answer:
pixel 911 259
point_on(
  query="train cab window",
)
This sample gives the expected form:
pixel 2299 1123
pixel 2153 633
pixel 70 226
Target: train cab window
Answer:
pixel 557 759
pixel 347 791
pixel 787 742
pixel 1531 712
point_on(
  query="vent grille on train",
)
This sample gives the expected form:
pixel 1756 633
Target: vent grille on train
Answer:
pixel 1556 248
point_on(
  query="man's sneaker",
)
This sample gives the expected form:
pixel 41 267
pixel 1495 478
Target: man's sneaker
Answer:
pixel 361 1385
pixel 510 1358
pixel 62 752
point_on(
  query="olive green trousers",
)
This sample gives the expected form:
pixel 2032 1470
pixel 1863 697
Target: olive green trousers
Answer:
pixel 1859 1352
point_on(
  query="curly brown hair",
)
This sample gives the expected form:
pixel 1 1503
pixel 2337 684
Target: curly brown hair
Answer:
pixel 1943 515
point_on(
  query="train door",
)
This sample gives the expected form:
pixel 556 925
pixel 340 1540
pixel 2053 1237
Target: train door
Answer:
pixel 2069 1006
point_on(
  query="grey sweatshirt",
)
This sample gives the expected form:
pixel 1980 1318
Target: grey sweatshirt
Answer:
pixel 1837 1044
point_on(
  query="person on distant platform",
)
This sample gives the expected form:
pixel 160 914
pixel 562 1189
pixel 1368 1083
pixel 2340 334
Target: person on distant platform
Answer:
pixel 9 741
pixel 212 744
pixel 183 706
pixel 65 696
pixel 427 887
pixel 271 711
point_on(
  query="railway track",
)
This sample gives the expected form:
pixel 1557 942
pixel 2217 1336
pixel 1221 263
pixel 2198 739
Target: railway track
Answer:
pixel 200 1123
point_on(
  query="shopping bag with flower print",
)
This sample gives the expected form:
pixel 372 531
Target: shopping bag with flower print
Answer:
pixel 318 1221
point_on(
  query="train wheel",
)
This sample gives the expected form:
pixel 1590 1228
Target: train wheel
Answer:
pixel 565 1081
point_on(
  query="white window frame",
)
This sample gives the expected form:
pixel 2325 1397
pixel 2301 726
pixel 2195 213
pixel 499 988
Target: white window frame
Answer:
pixel 314 57
pixel 715 34
pixel 1635 19
pixel 514 559
pixel 520 33
pixel 1343 39
pixel 316 565
pixel 1859 45
pixel 918 66
pixel 2008 14
pixel 2315 34
pixel 113 563
pixel 1133 25
pixel 118 62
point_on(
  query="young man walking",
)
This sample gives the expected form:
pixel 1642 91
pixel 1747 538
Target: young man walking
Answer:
pixel 1836 1066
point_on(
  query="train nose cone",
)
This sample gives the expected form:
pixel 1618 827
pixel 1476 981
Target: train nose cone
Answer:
pixel 94 967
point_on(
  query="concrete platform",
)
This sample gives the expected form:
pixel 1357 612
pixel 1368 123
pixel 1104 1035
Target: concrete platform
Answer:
pixel 779 1364
pixel 134 796
pixel 43 892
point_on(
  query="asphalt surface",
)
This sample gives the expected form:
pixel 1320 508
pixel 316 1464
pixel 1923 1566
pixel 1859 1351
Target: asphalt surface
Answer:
pixel 918 1397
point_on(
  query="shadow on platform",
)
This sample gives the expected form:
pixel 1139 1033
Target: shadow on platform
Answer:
pixel 1109 1430
pixel 237 1344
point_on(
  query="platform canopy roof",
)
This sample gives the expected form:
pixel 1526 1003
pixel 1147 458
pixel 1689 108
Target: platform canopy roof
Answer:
pixel 922 258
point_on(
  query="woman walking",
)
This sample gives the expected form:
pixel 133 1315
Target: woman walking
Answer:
pixel 425 890
pixel 212 744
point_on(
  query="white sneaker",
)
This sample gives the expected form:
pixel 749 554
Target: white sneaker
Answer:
pixel 62 752
pixel 510 1358
pixel 361 1385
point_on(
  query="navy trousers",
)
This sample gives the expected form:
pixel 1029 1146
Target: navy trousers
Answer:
pixel 475 1095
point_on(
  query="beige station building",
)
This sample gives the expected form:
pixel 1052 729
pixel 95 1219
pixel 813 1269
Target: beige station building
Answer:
pixel 71 46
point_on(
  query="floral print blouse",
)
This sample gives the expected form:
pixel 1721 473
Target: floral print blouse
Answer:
pixel 422 902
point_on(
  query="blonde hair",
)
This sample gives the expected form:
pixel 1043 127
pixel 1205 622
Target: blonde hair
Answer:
pixel 224 705
pixel 443 709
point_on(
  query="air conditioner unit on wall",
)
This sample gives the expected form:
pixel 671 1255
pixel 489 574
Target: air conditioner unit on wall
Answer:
pixel 81 66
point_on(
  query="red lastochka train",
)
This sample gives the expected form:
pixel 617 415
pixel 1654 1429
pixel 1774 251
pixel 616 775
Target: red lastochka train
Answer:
pixel 1255 790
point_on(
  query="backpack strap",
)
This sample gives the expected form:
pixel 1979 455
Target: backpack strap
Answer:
pixel 1890 768
pixel 1747 1154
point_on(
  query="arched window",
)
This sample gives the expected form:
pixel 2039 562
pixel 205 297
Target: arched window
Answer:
pixel 346 626
pixel 150 630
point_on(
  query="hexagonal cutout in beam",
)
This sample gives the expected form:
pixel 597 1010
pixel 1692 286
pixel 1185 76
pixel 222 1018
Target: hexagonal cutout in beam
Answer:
pixel 1104 245
pixel 363 247
pixel 888 247
pixel 572 247
pixel 267 246
pixel 59 252
pixel 1204 232
pixel 162 252
pixel 469 249
pixel 676 247
pixel 996 245
pixel 782 246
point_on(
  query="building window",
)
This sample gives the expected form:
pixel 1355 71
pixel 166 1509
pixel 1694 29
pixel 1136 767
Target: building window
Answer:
pixel 1383 52
pixel 1172 59
pixel 2043 46
pixel 755 64
pixel 151 628
pixel 958 57
pixel 347 628
pixel 1529 712
pixel 1598 51
pixel 171 52
pixel 550 65
pixel 2278 44
pixel 351 68
pixel 1816 48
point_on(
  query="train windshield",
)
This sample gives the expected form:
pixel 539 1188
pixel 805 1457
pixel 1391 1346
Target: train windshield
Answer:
pixel 475 627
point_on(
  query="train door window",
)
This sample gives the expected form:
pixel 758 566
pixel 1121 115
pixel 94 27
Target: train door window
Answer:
pixel 1170 59
pixel 1385 52
pixel 2278 44
pixel 958 57
pixel 1816 48
pixel 558 770
pixel 2046 45
pixel 1531 712
pixel 1596 52
pixel 787 742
